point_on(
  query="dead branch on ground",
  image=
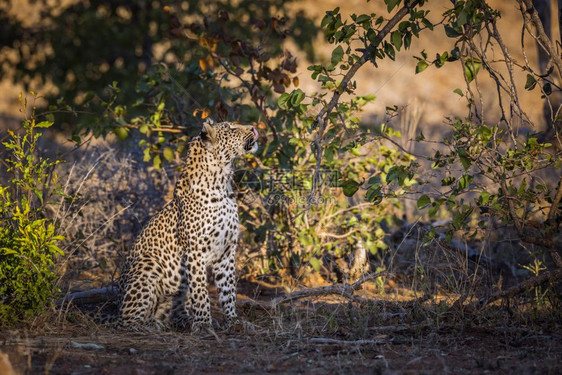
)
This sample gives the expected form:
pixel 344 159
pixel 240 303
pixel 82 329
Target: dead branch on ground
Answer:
pixel 549 276
pixel 345 290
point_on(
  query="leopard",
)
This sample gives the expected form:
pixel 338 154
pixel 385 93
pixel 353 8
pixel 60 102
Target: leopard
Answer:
pixel 164 280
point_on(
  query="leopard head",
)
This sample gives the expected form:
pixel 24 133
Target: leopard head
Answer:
pixel 229 140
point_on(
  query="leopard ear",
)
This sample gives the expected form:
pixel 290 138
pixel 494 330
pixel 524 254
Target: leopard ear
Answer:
pixel 208 132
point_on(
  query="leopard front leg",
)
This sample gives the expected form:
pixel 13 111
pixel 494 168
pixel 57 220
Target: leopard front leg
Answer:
pixel 193 249
pixel 199 295
pixel 224 272
pixel 181 301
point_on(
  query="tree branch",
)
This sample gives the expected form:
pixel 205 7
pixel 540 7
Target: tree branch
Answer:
pixel 543 38
pixel 549 276
pixel 322 116
pixel 345 290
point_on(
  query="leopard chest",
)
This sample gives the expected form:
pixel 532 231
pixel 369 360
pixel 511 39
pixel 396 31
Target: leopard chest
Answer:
pixel 214 225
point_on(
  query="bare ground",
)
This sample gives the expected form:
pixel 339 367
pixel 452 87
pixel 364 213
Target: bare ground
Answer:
pixel 382 335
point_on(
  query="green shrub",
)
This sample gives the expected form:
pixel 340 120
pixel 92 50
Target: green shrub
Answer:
pixel 28 239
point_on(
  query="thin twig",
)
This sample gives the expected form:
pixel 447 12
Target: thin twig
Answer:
pixel 542 37
pixel 337 236
pixel 325 340
pixel 345 290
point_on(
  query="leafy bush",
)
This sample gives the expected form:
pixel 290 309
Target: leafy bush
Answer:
pixel 495 172
pixel 304 224
pixel 28 240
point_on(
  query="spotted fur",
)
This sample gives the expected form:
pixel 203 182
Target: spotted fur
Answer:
pixel 164 279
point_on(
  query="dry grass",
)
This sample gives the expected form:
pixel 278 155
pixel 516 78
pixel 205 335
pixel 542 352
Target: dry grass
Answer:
pixel 103 212
pixel 381 334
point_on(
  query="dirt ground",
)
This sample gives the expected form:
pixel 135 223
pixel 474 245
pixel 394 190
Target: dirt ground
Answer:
pixel 380 335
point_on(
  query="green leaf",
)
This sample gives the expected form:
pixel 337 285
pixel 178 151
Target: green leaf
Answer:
pixel 315 263
pixel 429 236
pixel 296 97
pixel 452 32
pixel 484 198
pixel 464 181
pixel 427 23
pixel 374 194
pixel 547 88
pixel 449 235
pixel 462 17
pixel 471 68
pixel 121 132
pixel 362 18
pixel 458 92
pixel 168 153
pixel 146 154
pixel 465 160
pixel 434 208
pixel 531 82
pixel 396 38
pixel 407 40
pixel 157 162
pixel 337 55
pixel 391 4
pixel 39 194
pixel 89 96
pixel 423 201
pixel 398 174
pixel 522 187
pixel 329 154
pixel 374 180
pixel 458 220
pixel 282 101
pixel 389 50
pixel 328 18
pixel 421 66
pixel 350 187
pixel 44 124
pixel 447 181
